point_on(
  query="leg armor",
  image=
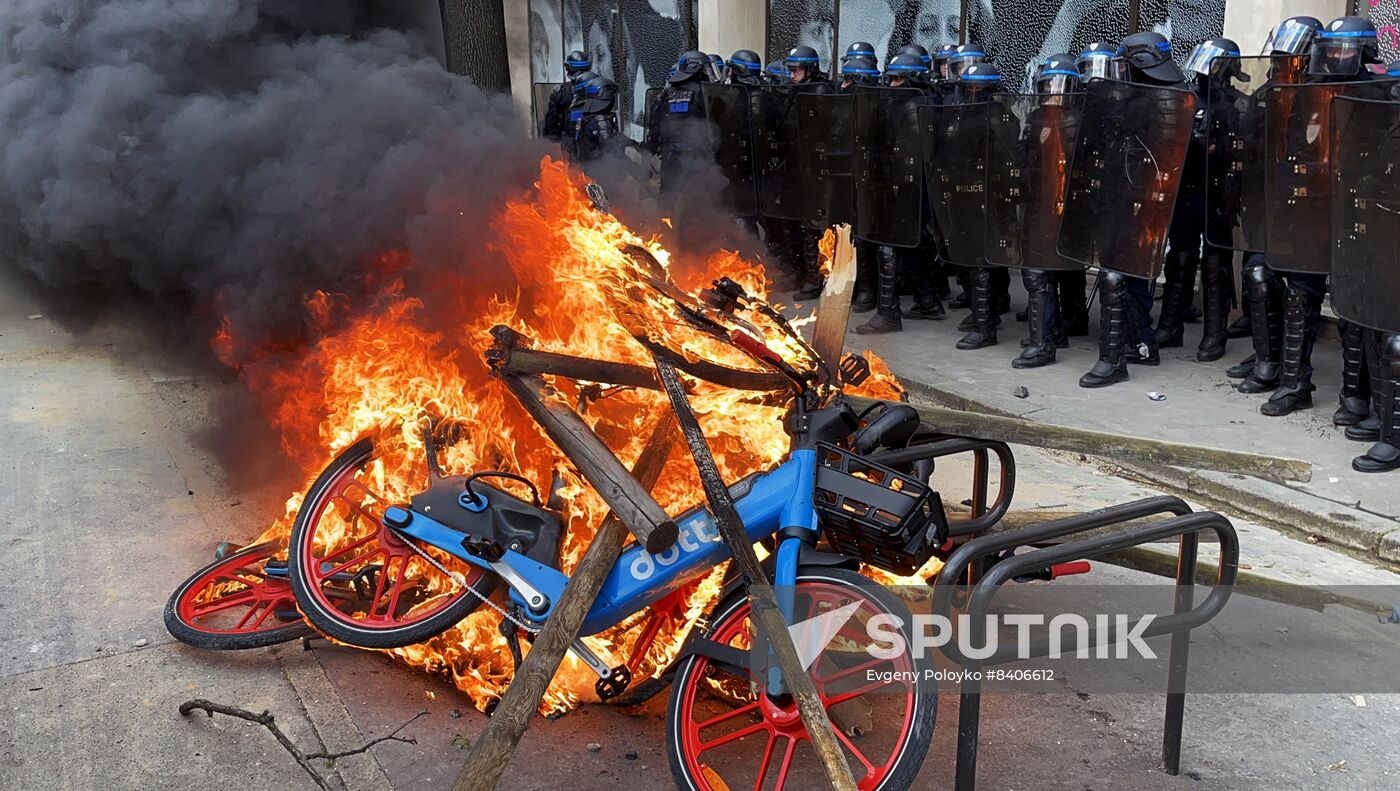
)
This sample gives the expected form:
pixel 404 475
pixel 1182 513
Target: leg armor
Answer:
pixel 1176 295
pixel 1385 454
pixel 1217 292
pixel 1355 397
pixel 922 272
pixel 1040 320
pixel 1295 385
pixel 1369 429
pixel 810 262
pixel 984 328
pixel 1073 308
pixel 886 318
pixel 863 301
pixel 1113 331
pixel 1263 294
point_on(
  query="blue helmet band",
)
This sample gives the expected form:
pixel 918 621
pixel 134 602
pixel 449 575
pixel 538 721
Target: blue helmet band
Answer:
pixel 802 60
pixel 749 63
pixel 579 64
pixel 903 67
pixel 980 78
pixel 857 70
pixel 968 54
pixel 1098 53
pixel 1347 34
pixel 1066 72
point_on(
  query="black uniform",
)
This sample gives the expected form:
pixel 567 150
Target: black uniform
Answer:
pixel 577 69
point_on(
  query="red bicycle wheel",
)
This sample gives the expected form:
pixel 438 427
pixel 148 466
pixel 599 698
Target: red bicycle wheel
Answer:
pixel 359 582
pixel 725 734
pixel 235 603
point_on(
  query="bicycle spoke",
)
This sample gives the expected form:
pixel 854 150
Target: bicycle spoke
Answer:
pixel 763 764
pixel 223 603
pixel 342 567
pixel 729 715
pixel 855 693
pixel 785 765
pixel 860 756
pixel 823 680
pixel 739 734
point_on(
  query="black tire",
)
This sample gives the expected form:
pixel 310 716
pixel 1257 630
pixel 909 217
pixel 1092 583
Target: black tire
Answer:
pixel 334 622
pixel 920 734
pixel 190 633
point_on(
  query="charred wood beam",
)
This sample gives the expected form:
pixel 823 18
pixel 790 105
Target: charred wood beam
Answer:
pixel 763 601
pixel 834 311
pixel 493 749
pixel 1019 431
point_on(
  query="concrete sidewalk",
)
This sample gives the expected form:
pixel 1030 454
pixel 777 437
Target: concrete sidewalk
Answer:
pixel 1355 510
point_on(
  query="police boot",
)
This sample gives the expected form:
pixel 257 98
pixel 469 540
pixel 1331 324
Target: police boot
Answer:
pixel 963 300
pixel 1176 296
pixel 1113 334
pixel 1293 392
pixel 984 330
pixel 1216 290
pixel 1368 429
pixel 1355 398
pixel 1040 350
pixel 863 301
pixel 1385 454
pixel 811 266
pixel 926 306
pixel 1074 309
pixel 1239 328
pixel 1261 292
pixel 1241 369
pixel 886 318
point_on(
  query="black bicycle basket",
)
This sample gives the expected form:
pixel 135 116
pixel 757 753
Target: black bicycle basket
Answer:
pixel 884 517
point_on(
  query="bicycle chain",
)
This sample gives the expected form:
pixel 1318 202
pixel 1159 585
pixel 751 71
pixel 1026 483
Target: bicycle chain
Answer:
pixel 458 579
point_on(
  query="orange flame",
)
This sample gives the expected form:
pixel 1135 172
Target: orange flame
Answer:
pixel 378 367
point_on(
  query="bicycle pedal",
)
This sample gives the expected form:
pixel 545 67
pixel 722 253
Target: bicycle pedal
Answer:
pixel 614 684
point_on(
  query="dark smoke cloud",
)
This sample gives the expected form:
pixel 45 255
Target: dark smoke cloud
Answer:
pixel 236 154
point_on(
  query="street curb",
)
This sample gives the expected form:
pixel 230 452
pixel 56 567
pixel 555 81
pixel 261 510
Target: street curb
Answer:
pixel 1290 509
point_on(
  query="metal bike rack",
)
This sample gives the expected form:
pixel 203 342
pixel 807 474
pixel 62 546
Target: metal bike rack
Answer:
pixel 1185 616
pixel 983 516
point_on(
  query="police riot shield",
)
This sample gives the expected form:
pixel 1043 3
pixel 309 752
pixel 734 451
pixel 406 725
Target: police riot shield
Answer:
pixel 1235 154
pixel 539 98
pixel 1365 201
pixel 777 146
pixel 1030 144
pixel 1128 164
pixel 731 135
pixel 648 109
pixel 1298 176
pixel 955 171
pixel 826 133
pixel 885 165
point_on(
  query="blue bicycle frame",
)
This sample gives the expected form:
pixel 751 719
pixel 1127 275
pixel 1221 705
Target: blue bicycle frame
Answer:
pixel 767 502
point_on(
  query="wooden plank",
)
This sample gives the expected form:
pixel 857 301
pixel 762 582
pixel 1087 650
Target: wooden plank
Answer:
pixel 834 311
pixel 641 514
pixel 496 744
pixel 763 601
pixel 1019 431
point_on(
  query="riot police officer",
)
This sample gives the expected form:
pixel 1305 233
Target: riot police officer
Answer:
pixel 1056 76
pixel 804 68
pixel 676 118
pixel 920 52
pixel 1126 302
pixel 776 73
pixel 1340 52
pixel 556 116
pixel 594 130
pixel 745 68
pixel 987 288
pixel 1261 287
pixel 861 70
pixel 719 70
pixel 1188 230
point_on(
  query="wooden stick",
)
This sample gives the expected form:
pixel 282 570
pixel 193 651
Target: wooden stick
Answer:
pixel 834 311
pixel 763 601
pixel 1019 431
pixel 493 749
pixel 641 514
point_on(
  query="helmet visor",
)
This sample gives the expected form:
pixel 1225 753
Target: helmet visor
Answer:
pixel 1056 81
pixel 1290 37
pixel 958 64
pixel 1201 56
pixel 1102 66
pixel 1338 56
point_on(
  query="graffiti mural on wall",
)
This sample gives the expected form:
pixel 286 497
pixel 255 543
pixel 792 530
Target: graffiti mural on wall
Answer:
pixel 1386 16
pixel 1017 33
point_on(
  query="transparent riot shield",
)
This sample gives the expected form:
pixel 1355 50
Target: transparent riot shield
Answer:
pixel 1030 145
pixel 540 94
pixel 1127 168
pixel 1235 115
pixel 825 127
pixel 727 109
pixel 777 146
pixel 1365 203
pixel 955 170
pixel 885 163
pixel 1298 176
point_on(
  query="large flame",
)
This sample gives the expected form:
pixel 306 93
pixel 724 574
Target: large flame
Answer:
pixel 379 367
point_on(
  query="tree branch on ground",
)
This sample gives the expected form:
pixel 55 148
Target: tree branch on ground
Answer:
pixel 303 760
